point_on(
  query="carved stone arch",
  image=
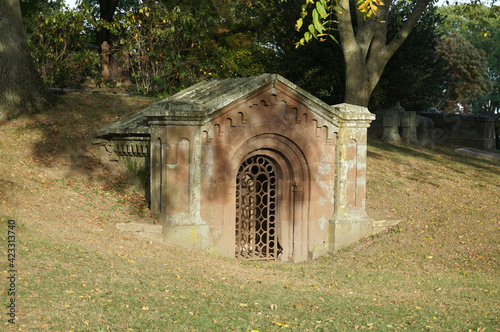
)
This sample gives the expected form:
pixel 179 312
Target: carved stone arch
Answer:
pixel 206 137
pixel 242 118
pixel 293 190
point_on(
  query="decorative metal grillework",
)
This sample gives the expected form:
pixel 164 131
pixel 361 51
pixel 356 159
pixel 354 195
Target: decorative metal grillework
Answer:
pixel 256 193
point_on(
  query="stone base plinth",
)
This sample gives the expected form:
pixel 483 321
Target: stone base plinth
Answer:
pixel 346 232
pixel 153 232
pixel 187 236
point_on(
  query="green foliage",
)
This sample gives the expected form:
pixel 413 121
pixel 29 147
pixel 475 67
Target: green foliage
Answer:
pixel 322 20
pixel 323 17
pixel 319 67
pixel 165 49
pixel 316 67
pixel 480 26
pixel 468 71
pixel 35 7
pixel 59 46
pixel 168 50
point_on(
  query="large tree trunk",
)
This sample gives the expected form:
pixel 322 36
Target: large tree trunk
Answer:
pixel 22 91
pixel 366 51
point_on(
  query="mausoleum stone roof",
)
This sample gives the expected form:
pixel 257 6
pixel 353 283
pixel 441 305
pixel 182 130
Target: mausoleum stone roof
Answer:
pixel 201 102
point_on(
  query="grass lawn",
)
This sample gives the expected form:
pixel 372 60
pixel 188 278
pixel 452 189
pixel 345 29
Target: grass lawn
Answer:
pixel 438 270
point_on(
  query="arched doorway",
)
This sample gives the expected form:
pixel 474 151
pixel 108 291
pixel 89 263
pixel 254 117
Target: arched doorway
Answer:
pixel 257 210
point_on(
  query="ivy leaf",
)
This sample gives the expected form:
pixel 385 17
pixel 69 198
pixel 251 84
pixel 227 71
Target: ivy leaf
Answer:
pixel 307 36
pixel 321 9
pixel 316 22
pixel 299 23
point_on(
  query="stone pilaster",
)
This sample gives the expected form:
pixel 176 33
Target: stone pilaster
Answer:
pixel 350 221
pixel 175 178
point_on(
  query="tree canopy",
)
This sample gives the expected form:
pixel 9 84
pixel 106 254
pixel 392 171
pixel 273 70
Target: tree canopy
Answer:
pixel 362 29
pixel 475 33
pixel 165 46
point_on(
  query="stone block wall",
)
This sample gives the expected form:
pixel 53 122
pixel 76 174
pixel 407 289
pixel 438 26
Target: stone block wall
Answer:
pixel 475 131
pixel 425 128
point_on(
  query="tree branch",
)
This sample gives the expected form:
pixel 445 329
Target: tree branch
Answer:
pixel 346 30
pixel 407 27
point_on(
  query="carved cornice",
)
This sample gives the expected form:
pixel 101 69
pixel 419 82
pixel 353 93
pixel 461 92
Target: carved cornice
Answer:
pixel 352 116
pixel 133 146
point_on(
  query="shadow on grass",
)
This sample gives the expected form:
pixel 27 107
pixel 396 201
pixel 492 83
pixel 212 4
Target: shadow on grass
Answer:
pixel 69 129
pixel 437 154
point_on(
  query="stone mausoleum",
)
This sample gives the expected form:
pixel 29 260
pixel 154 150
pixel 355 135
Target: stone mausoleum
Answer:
pixel 254 168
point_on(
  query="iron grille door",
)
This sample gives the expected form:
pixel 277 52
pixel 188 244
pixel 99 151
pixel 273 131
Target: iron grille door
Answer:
pixel 256 194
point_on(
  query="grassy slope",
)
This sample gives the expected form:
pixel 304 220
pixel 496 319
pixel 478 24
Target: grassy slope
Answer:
pixel 439 270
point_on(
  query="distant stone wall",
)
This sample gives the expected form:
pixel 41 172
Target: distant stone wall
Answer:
pixel 426 128
pixel 398 125
pixel 475 131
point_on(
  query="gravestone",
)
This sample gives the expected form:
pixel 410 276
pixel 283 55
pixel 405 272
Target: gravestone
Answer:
pixel 105 55
pixel 114 66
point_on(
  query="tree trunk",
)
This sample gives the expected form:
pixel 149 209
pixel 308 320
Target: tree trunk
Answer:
pixel 22 91
pixel 357 91
pixel 366 51
pixel 107 11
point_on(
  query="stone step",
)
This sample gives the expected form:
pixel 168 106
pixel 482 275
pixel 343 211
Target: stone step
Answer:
pixel 153 232
pixel 382 225
pixel 152 235
pixel 479 154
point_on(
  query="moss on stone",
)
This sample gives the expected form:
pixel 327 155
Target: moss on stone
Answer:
pixel 136 166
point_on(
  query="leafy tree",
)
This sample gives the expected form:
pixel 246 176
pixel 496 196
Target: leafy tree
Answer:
pixel 363 38
pixel 168 49
pixel 103 13
pixel 468 71
pixel 59 45
pixel 320 68
pixel 35 7
pixel 414 76
pixel 21 89
pixel 162 47
pixel 480 26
